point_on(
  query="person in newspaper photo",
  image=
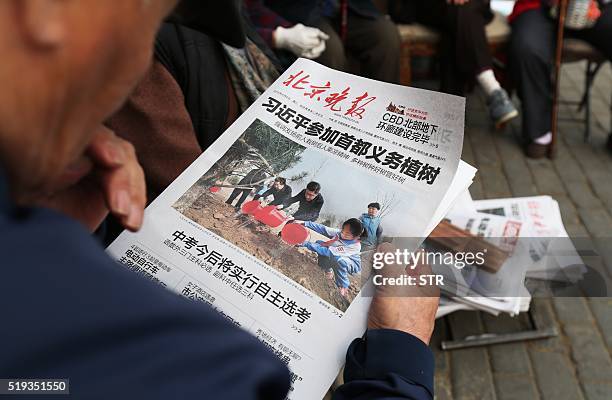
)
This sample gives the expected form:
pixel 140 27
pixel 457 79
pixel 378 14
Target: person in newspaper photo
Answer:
pixel 372 225
pixel 279 190
pixel 310 203
pixel 340 256
pixel 110 332
pixel 246 185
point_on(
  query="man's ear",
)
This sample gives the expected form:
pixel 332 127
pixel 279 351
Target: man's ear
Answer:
pixel 43 22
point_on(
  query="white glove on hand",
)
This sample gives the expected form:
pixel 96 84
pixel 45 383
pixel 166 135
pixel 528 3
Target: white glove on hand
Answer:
pixel 303 41
pixel 315 52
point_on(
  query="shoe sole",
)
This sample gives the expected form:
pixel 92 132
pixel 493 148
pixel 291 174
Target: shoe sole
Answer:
pixel 503 120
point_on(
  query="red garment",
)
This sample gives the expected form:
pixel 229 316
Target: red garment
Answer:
pixel 524 5
pixel 330 242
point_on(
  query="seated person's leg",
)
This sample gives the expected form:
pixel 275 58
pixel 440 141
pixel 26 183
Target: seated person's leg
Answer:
pixel 531 55
pixel 376 44
pixel 466 24
pixel 333 56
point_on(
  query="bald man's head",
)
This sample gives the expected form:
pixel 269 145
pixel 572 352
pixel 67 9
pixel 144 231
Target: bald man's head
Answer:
pixel 67 65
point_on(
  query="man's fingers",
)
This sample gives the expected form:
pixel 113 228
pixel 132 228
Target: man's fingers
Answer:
pixel 106 149
pixel 124 187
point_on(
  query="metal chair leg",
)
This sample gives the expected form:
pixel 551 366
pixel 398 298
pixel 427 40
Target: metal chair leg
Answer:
pixel 587 109
pixel 590 73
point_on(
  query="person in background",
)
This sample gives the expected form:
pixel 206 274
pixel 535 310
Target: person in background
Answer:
pixel 62 172
pixel 203 76
pixel 532 48
pixel 314 29
pixel 279 190
pixel 465 54
pixel 338 257
pixel 310 203
pixel 372 226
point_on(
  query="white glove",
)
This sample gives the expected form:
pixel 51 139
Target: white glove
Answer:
pixel 315 52
pixel 300 40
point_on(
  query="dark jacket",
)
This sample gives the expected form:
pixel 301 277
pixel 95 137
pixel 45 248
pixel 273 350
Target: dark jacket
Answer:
pixel 69 311
pixel 279 195
pixel 197 63
pixel 308 210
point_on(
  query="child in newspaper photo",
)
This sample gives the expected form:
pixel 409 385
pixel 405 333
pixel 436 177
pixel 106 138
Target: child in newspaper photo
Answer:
pixel 372 225
pixel 339 256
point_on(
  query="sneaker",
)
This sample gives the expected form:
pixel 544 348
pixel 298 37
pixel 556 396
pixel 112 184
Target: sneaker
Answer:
pixel 344 292
pixel 501 108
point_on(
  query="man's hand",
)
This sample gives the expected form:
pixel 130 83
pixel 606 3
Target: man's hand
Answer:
pixel 108 178
pixel 303 41
pixel 411 309
pixel 457 2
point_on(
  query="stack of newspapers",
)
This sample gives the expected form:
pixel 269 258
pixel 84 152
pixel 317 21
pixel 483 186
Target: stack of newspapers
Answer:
pixel 532 231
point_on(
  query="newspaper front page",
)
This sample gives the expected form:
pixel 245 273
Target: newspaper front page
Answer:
pixel 265 264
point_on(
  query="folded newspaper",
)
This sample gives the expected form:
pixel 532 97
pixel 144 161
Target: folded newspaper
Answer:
pixel 222 232
pixel 539 249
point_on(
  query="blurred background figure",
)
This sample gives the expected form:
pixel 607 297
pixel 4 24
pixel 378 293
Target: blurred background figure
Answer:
pixel 532 50
pixel 465 57
pixel 328 31
pixel 203 76
pixel 201 80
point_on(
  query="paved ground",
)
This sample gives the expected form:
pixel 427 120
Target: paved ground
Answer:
pixel 577 364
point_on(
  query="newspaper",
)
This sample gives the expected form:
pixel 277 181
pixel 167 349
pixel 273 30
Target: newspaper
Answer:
pixel 553 256
pixel 546 250
pixel 363 141
pixel 502 291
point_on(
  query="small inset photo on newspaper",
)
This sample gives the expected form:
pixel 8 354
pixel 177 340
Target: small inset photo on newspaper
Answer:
pixel 315 219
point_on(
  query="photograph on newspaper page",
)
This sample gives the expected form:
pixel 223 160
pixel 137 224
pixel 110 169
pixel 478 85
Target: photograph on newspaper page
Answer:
pixel 275 224
pixel 280 227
